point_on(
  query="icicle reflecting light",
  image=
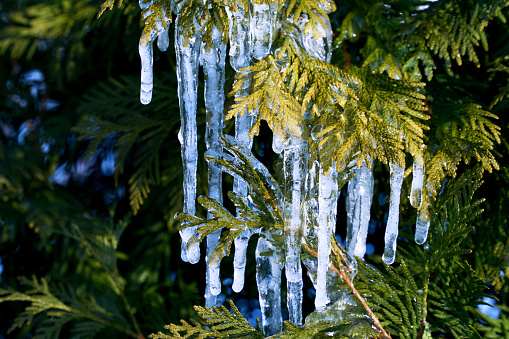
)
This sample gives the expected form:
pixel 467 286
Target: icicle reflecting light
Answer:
pixel 358 207
pixel 295 165
pixel 417 181
pixel 213 69
pixel 187 75
pixel 240 57
pixel 268 280
pixel 391 232
pixel 327 202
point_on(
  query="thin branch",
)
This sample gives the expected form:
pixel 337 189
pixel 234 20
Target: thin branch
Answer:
pixel 342 273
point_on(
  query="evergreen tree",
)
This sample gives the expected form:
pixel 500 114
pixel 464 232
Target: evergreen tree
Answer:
pixel 395 107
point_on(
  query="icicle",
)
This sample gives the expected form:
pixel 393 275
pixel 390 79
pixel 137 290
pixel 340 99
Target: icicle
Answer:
pixel 240 58
pixel 187 75
pixel 268 280
pixel 423 219
pixel 213 69
pixel 147 76
pixel 391 232
pixel 358 206
pixel 327 200
pixel 417 181
pixel 240 54
pixel 294 159
pixel 243 125
pixel 163 41
pixel 262 26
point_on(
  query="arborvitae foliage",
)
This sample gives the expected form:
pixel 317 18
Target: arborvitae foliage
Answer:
pixel 407 79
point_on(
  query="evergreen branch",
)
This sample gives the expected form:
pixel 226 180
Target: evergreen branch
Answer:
pixel 156 19
pixel 215 323
pixel 261 209
pixel 108 4
pixel 31 27
pixel 41 300
pixel 269 98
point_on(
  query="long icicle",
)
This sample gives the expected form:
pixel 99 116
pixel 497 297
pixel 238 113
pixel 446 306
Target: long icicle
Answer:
pixel 239 58
pixel 391 231
pixel 213 69
pixel 327 205
pixel 320 45
pixel 358 206
pixel 187 75
pixel 268 280
pixel 294 159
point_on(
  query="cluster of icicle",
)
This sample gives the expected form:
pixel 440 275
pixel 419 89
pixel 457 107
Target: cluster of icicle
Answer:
pixel 250 34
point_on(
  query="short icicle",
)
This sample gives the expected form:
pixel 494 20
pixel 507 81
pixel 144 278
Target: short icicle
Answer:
pixel 358 207
pixel 214 78
pixel 239 58
pixel 423 218
pixel 417 181
pixel 262 27
pixel 391 232
pixel 268 280
pixel 327 202
pixel 294 158
pixel 147 76
pixel 187 75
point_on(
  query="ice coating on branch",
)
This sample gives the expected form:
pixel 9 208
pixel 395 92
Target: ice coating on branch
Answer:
pixel 358 208
pixel 243 125
pixel 319 43
pixel 163 40
pixel 327 202
pixel 423 219
pixel 268 280
pixel 295 166
pixel 147 76
pixel 240 57
pixel 214 78
pixel 240 47
pixel 187 75
pixel 391 232
pixel 417 181
pixel 262 25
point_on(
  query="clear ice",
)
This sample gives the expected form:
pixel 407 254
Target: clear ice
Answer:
pixel 145 49
pixel 240 53
pixel 163 40
pixel 391 232
pixel 240 57
pixel 262 26
pixel 214 78
pixel 358 208
pixel 295 166
pixel 417 181
pixel 327 204
pixel 268 280
pixel 187 75
pixel 423 219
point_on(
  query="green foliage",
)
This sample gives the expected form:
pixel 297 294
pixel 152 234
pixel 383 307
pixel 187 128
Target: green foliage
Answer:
pixel 139 131
pixel 61 307
pixel 215 323
pixel 263 210
pixel 390 93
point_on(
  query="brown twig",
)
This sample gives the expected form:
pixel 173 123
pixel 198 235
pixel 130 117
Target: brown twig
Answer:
pixel 341 272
